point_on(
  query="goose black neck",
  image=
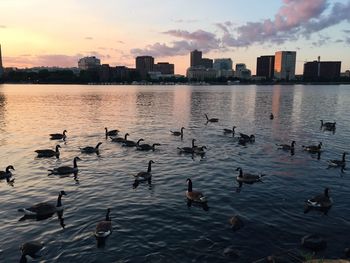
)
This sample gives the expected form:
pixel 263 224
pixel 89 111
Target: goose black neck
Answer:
pixel 59 203
pixel 23 259
pixel 107 215
pixel 8 169
pixel 126 136
pixel 149 166
pixel 57 151
pixel 326 192
pixel 75 163
pixel 193 143
pixel 240 172
pixel 344 157
pixel 189 189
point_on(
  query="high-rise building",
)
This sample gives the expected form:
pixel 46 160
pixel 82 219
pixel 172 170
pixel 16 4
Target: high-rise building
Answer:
pixel 265 66
pixel 1 68
pixel 322 70
pixel 144 64
pixel 222 64
pixel 242 72
pixel 87 63
pixel 196 58
pixel 207 63
pixel 285 65
pixel 164 67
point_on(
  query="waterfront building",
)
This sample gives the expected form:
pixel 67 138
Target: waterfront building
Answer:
pixel 164 68
pixel 223 66
pixel 322 70
pixel 201 73
pixel 1 67
pixel 242 72
pixel 195 58
pixel 144 64
pixel 207 63
pixel 87 63
pixel 285 65
pixel 265 66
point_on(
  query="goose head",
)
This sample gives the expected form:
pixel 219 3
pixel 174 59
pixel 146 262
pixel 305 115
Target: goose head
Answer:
pixel 108 218
pixel 64 132
pixel 58 146
pixel 10 167
pixel 240 171
pixel 62 193
pixel 98 145
pixel 77 159
pixel 140 140
pixel 293 143
pixel 189 183
pixel 126 135
pixel 182 128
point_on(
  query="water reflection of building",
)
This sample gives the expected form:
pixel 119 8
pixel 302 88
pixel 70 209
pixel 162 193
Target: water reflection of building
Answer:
pixel 285 65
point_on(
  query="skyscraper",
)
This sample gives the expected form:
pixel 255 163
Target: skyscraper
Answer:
pixel 285 65
pixel 265 66
pixel 222 64
pixel 1 68
pixel 196 58
pixel 322 70
pixel 144 64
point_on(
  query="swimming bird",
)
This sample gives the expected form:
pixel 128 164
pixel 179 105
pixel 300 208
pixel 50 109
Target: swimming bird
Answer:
pixel 111 132
pixel 178 133
pixel 128 143
pixel 194 196
pixel 62 170
pixel 120 139
pixel 147 147
pixel 211 119
pixel 286 147
pixel 244 138
pixel 145 176
pixel 58 136
pixel 188 149
pixel 230 131
pixel 338 163
pixel 247 178
pixel 31 249
pixel 313 148
pixel 199 149
pixel 7 173
pixel 328 125
pixel 104 228
pixel 49 152
pixel 321 200
pixel 90 149
pixel 271 116
pixel 44 208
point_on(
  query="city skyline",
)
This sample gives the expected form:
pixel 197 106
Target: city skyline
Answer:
pixel 117 32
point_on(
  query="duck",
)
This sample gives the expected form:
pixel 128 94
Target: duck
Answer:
pixel 178 133
pixel 44 208
pixel 211 119
pixel 49 152
pixel 111 132
pixel 271 116
pixel 7 173
pixel 194 196
pixel 147 147
pixel 286 147
pixel 58 136
pixel 62 170
pixel 247 138
pixel 90 149
pixel 31 249
pixel 328 125
pixel 247 177
pixel 128 143
pixel 120 139
pixel 338 163
pixel 230 131
pixel 321 200
pixel 104 228
pixel 188 149
pixel 145 176
pixel 313 148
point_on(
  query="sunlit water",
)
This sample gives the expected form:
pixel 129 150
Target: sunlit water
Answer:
pixel 153 223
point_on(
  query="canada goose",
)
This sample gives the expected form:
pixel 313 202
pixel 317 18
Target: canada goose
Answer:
pixel 247 138
pixel 194 196
pixel 90 149
pixel 31 249
pixel 236 223
pixel 271 116
pixel 247 178
pixel 62 170
pixel 230 131
pixel 147 147
pixel 338 163
pixel 104 228
pixel 211 119
pixel 199 149
pixel 328 125
pixel 286 147
pixel 58 136
pixel 120 139
pixel 128 143
pixel 321 200
pixel 45 208
pixel 313 148
pixel 188 149
pixel 145 176
pixel 49 152
pixel 111 133
pixel 7 173
pixel 178 133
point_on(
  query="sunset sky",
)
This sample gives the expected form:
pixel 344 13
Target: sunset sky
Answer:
pixel 58 33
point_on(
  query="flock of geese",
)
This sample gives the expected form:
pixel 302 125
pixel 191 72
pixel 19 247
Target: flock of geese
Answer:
pixel 103 229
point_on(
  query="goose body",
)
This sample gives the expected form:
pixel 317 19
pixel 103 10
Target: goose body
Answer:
pixel 104 228
pixel 230 131
pixel 247 177
pixel 328 125
pixel 188 149
pixel 145 175
pixel 111 132
pixel 271 116
pixel 90 149
pixel 58 136
pixel 7 173
pixel 337 163
pixel 313 148
pixel 147 147
pixel 63 170
pixel 211 119
pixel 44 208
pixel 49 152
pixel 286 147
pixel 199 150
pixel 128 143
pixel 194 196
pixel 31 249
pixel 321 200
pixel 247 138
pixel 120 139
pixel 178 133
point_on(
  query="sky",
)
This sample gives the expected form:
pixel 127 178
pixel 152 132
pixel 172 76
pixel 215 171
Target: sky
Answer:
pixel 59 32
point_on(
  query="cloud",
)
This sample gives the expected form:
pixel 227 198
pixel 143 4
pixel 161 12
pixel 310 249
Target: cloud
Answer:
pixel 89 38
pixel 50 60
pixel 185 20
pixel 3 26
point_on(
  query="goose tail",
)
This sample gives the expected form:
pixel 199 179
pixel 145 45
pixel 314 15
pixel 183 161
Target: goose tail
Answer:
pixel 203 199
pixel 102 234
pixel 51 171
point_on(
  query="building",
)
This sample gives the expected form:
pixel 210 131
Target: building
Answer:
pixel 144 64
pixel 164 68
pixel 201 73
pixel 242 72
pixel 196 58
pixel 285 65
pixel 207 63
pixel 1 67
pixel 87 63
pixel 322 70
pixel 223 66
pixel 265 66
pixel 345 74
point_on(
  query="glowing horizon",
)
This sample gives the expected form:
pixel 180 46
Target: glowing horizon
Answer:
pixel 58 33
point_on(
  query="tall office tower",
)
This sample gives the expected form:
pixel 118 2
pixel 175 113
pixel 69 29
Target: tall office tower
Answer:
pixel 285 65
pixel 222 64
pixel 164 67
pixel 322 70
pixel 1 68
pixel 144 64
pixel 265 66
pixel 196 58
pixel 87 63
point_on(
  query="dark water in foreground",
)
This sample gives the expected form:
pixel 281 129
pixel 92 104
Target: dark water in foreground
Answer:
pixel 153 223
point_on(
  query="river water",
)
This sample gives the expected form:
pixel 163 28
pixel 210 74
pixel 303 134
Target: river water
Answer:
pixel 153 223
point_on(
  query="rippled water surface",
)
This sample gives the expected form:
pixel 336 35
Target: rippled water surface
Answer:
pixel 152 223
